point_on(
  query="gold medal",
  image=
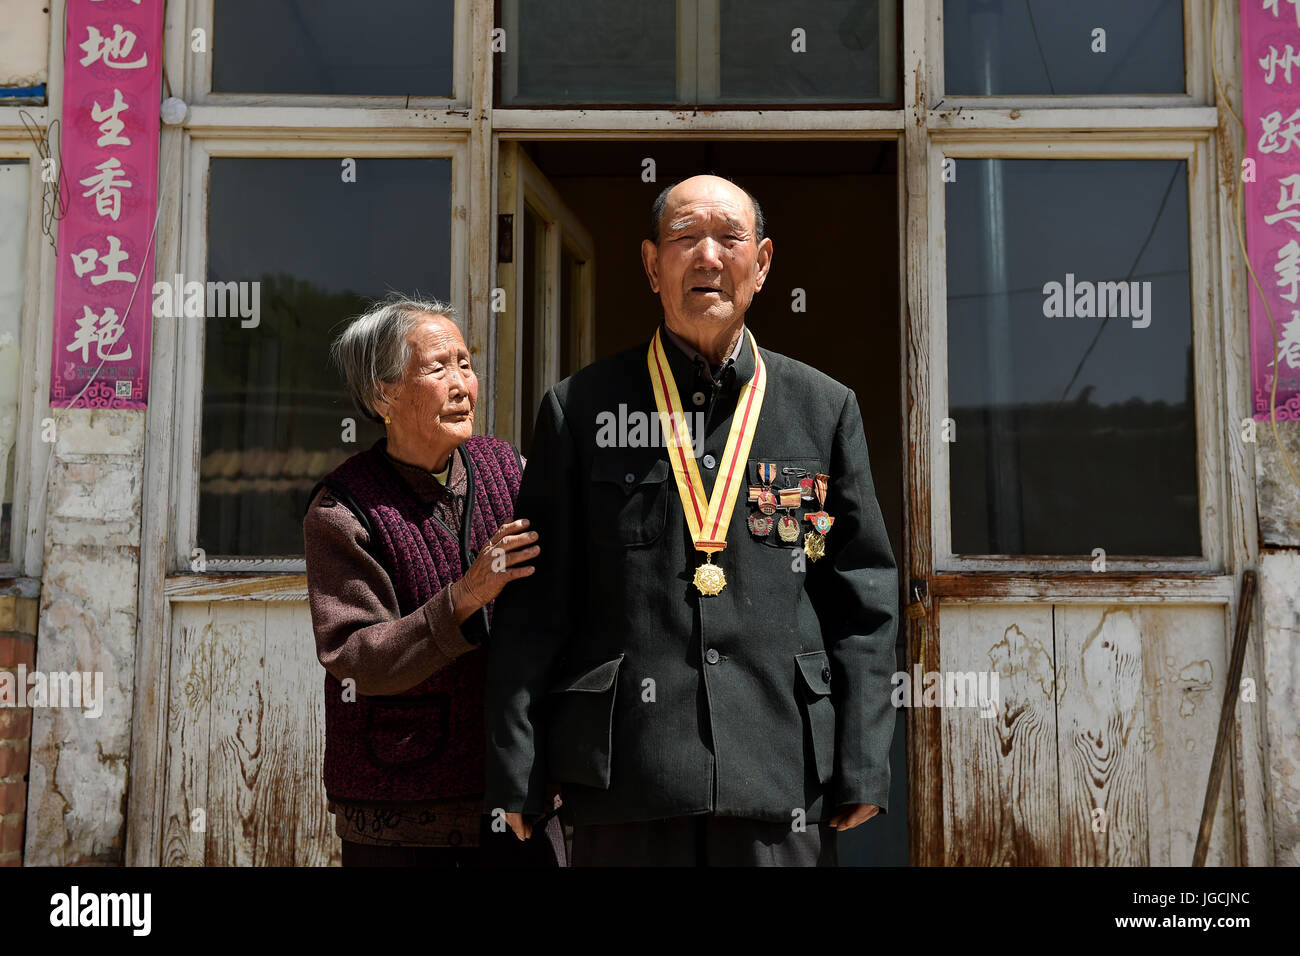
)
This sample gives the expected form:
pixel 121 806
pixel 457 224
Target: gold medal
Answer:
pixel 814 542
pixel 707 517
pixel 788 529
pixel 814 545
pixel 709 578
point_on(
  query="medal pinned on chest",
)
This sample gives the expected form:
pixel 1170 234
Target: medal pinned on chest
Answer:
pixel 814 542
pixel 708 516
pixel 761 495
pixel 788 526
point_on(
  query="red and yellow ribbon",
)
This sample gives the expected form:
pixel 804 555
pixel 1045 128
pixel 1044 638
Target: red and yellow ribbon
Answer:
pixel 707 517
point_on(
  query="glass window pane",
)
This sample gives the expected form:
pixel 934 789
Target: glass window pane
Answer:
pixel 697 52
pixel 13 259
pixel 1047 47
pixel 321 250
pixel 1070 358
pixel 393 47
pixel 836 59
pixel 589 51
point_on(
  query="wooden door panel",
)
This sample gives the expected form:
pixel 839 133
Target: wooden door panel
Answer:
pixel 1101 746
pixel 999 773
pixel 245 738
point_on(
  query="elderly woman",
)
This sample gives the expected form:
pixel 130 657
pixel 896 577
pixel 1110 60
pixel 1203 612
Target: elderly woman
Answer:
pixel 407 544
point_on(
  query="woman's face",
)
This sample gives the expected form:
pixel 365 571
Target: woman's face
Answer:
pixel 433 410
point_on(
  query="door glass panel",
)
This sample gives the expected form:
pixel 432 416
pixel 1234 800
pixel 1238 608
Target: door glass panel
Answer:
pixel 588 51
pixel 13 259
pixel 320 250
pixel 1047 47
pixel 1070 358
pixel 340 47
pixel 695 52
pixel 836 59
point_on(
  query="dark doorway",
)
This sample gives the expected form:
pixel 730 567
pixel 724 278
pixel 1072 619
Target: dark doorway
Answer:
pixel 831 209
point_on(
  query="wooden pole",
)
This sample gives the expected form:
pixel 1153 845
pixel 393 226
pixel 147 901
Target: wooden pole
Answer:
pixel 1244 605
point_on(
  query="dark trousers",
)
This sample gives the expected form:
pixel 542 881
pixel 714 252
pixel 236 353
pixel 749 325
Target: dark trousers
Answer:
pixel 545 849
pixel 703 840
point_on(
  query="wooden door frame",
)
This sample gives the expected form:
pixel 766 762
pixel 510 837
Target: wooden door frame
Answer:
pixel 933 122
pixel 521 183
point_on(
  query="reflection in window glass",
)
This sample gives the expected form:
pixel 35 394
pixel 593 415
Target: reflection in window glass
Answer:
pixel 13 257
pixel 836 58
pixel 322 250
pixel 339 47
pixel 1046 47
pixel 587 51
pixel 1070 358
pixel 609 52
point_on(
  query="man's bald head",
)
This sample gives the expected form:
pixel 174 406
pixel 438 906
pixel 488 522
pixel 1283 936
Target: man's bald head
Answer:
pixel 660 206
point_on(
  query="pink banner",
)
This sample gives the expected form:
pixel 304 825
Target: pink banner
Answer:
pixel 112 84
pixel 1270 73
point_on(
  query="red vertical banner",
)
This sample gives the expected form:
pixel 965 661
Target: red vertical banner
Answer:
pixel 112 86
pixel 1270 77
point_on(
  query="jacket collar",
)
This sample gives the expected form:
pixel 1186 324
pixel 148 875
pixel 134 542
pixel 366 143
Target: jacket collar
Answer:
pixel 691 371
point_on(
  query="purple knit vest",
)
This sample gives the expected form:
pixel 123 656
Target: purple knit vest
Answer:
pixel 426 743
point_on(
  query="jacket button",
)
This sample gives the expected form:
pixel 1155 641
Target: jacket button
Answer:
pixel 629 478
pixel 710 462
pixel 826 675
pixel 712 655
pixel 698 398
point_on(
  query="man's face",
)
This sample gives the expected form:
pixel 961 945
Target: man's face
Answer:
pixel 706 266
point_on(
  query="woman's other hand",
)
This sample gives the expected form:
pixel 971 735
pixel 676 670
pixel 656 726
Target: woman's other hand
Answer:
pixel 499 563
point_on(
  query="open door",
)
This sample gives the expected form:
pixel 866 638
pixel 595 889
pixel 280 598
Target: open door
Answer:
pixel 546 269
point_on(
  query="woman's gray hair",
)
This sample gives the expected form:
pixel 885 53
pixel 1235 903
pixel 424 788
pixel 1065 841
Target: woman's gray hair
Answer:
pixel 372 351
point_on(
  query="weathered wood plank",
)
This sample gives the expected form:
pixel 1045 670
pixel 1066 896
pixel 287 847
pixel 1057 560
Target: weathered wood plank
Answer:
pixel 293 826
pixel 1185 663
pixel 1100 722
pixel 1000 794
pixel 236 751
pixel 185 789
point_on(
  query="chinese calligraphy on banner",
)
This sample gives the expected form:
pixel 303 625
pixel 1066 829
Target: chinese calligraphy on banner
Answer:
pixel 103 281
pixel 1270 66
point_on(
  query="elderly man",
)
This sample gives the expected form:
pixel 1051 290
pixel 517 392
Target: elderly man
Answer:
pixel 701 660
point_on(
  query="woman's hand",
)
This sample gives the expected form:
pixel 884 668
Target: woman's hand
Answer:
pixel 499 563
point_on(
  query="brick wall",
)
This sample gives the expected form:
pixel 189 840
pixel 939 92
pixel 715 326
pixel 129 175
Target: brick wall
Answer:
pixel 17 646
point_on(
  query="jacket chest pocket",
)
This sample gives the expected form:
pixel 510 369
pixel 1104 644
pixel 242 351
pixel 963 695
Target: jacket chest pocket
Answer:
pixel 788 473
pixel 629 500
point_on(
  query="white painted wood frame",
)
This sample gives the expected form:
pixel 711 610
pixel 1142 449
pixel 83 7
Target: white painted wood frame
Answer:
pixel 523 186
pixel 30 454
pixel 1212 506
pixel 199 150
pixel 925 127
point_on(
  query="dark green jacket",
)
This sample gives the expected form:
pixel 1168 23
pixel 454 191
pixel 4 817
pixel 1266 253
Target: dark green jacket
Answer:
pixel 609 674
